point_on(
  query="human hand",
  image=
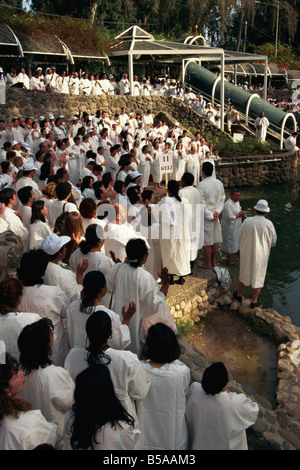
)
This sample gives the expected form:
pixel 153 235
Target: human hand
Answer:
pixel 128 314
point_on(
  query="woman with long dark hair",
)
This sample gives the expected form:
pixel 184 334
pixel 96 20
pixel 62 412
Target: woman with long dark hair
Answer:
pixel 39 227
pixel 98 420
pixel 94 290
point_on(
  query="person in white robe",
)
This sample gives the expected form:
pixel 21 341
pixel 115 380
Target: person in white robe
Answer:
pixel 3 84
pixel 130 282
pixel 217 418
pixel 257 236
pixel 48 387
pixel 174 239
pixel 290 144
pixel 193 164
pixel 232 218
pixel 231 116
pixel 196 221
pixel 155 165
pixel 179 161
pixel 162 420
pixel 58 275
pixel 129 378
pixel 213 197
pixel 26 429
pixel 93 298
pixel 144 166
pixel 9 198
pixel 261 125
pixel 74 84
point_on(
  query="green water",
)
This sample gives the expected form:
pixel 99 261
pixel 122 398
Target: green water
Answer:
pixel 281 291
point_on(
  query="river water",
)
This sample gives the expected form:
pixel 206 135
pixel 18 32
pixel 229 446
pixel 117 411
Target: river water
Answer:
pixel 281 291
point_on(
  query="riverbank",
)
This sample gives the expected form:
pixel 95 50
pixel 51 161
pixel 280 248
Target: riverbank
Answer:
pixel 278 423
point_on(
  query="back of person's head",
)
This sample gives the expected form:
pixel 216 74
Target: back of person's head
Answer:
pixel 173 189
pixel 147 194
pixel 215 378
pixel 24 194
pixel 93 283
pixel 95 404
pixel 5 166
pixel 107 178
pixel 11 290
pixel 92 238
pixel 136 249
pixel 98 329
pixel 133 194
pixel 188 178
pixel 161 344
pixel 87 208
pixel 36 211
pixel 59 223
pixel 34 345
pixel 63 190
pixel 207 168
pixel 32 267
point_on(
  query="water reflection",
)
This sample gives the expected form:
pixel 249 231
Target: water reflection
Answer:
pixel 281 291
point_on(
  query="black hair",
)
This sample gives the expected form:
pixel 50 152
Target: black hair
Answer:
pixel 147 194
pixel 188 178
pixel 95 404
pixel 98 329
pixel 5 166
pixel 133 194
pixel 45 170
pixel 63 189
pixel 207 168
pixel 85 183
pixel 36 211
pixel 136 249
pixel 161 344
pixel 173 188
pixel 215 378
pixel 6 195
pixel 91 239
pixel 93 283
pixel 32 267
pixel 118 186
pixel 33 344
pixel 24 194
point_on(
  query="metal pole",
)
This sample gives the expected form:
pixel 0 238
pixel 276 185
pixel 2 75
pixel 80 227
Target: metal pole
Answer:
pixel 277 26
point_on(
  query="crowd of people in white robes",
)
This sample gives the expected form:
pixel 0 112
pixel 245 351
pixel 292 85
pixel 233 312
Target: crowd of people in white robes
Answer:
pixel 95 248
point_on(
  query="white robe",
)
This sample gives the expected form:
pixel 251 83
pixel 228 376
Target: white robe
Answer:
pixel 27 431
pixel 257 236
pixel 135 285
pixel 174 240
pixel 230 226
pixel 193 166
pixel 38 231
pixel 121 437
pixel 261 125
pixel 98 261
pixel 50 302
pixel 16 225
pixel 196 222
pixel 155 166
pixel 218 422
pixel 51 390
pixel 162 413
pixel 144 167
pixel 76 321
pixel 58 207
pixel 11 325
pixel 65 279
pixel 130 380
pixel 213 197
pixel 179 163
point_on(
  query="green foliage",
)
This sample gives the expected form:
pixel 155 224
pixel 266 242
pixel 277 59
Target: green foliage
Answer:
pixel 247 147
pixel 184 327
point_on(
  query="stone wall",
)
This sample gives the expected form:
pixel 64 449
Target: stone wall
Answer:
pixel 275 429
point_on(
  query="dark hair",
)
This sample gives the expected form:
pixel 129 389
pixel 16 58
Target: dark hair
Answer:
pixel 36 211
pixel 59 223
pixel 215 378
pixel 234 190
pixel 85 183
pixel 118 186
pixel 45 170
pixel 188 178
pixel 136 249
pixel 98 329
pixel 173 188
pixel 10 291
pixel 33 344
pixel 91 239
pixel 161 344
pixel 147 194
pixel 32 267
pixel 95 404
pixel 10 405
pixel 5 166
pixel 6 195
pixel 24 194
pixel 107 178
pixel 93 282
pixel 207 168
pixel 63 189
pixel 133 194
pixel 87 208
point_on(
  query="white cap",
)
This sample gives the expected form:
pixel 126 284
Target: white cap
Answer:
pixel 41 118
pixel 25 146
pixel 15 142
pixel 134 174
pixel 50 116
pixel 90 130
pixel 89 160
pixel 1 69
pixel 74 118
pixel 176 123
pixel 29 166
pixel 61 116
pixel 53 243
pixel 110 76
pixel 39 68
pixel 262 206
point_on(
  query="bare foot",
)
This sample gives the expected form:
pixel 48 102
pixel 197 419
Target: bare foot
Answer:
pixel 203 265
